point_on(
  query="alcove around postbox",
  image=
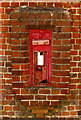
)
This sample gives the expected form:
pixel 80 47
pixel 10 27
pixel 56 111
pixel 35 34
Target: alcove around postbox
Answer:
pixel 41 37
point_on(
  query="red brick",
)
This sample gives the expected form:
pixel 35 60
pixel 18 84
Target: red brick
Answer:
pixel 16 91
pixel 78 11
pixel 56 67
pixel 65 79
pixel 15 54
pixel 7 22
pixel 25 103
pixel 61 48
pixel 56 79
pixel 6 35
pixel 74 52
pixel 15 22
pixel 26 66
pixel 33 103
pixel 26 78
pixel 5 4
pixel 46 103
pixel 60 85
pixel 76 35
pixel 50 4
pixel 8 10
pixel 57 91
pixel 65 67
pixel 66 29
pixel 56 54
pixel 20 60
pixel 65 113
pixel 15 4
pixel 56 42
pixel 15 66
pixel 42 4
pixel 23 3
pixel 40 97
pixel 24 91
pixel 7 52
pixel 1 10
pixel 77 23
pixel 66 5
pixel 56 97
pixel 58 5
pixel 15 29
pixel 4 29
pixel 72 11
pixel 15 79
pixel 9 97
pixel 15 42
pixel 18 85
pixel 76 58
pixel 73 63
pixel 75 81
pixel 76 47
pixel 73 41
pixel 19 72
pixel 7 108
pixel 74 29
pixel 15 15
pixel 63 23
pixel 60 61
pixel 66 42
pixel 76 17
pixel 44 91
pixel 73 113
pixel 16 108
pixel 62 35
pixel 65 91
pixel 7 76
pixel 4 16
pixel 33 4
pixel 24 97
pixel 66 54
pixel 76 4
pixel 72 86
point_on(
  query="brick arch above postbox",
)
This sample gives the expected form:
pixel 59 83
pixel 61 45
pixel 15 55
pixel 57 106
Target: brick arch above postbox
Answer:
pixel 55 19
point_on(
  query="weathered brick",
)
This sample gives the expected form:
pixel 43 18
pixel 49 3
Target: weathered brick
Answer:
pixel 44 91
pixel 23 3
pixel 61 61
pixel 4 16
pixel 42 4
pixel 25 103
pixel 76 4
pixel 24 97
pixel 5 4
pixel 14 4
pixel 7 108
pixel 61 48
pixel 56 97
pixel 58 5
pixel 40 97
pixel 50 4
pixel 24 91
pixel 33 4
pixel 60 85
pixel 15 15
pixel 20 60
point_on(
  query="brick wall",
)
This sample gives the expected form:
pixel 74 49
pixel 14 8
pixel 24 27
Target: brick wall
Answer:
pixel 62 99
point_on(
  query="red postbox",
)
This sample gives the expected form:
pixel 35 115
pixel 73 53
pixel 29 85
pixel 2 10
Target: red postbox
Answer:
pixel 40 57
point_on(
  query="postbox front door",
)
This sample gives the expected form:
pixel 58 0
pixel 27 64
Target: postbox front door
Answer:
pixel 40 67
pixel 40 57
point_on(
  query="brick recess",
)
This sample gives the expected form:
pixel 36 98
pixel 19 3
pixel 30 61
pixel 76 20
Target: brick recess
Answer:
pixel 63 98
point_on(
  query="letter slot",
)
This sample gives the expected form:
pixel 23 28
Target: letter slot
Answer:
pixel 40 57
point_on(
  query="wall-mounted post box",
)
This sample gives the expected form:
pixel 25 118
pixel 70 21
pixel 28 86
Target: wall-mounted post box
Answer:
pixel 40 57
